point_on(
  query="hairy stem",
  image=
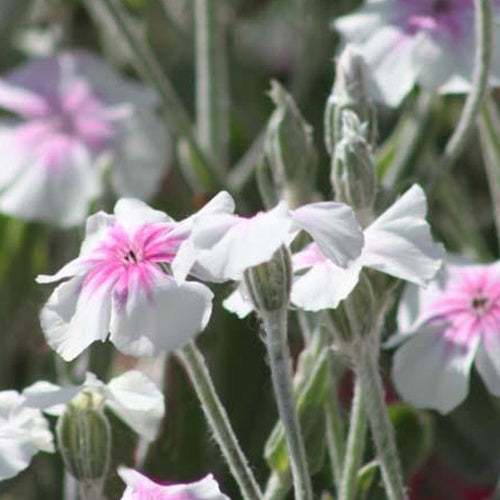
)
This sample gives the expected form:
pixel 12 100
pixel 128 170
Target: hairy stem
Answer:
pixel 194 364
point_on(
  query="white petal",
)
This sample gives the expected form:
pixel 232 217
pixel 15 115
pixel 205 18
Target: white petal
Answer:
pixel 400 243
pixel 59 195
pixel 132 214
pixel 164 319
pixel 431 371
pixel 49 397
pixel 226 245
pixel 324 286
pixel 238 302
pixel 333 227
pixel 73 318
pixel 137 401
pixel 22 101
pixel 141 155
pixel 488 361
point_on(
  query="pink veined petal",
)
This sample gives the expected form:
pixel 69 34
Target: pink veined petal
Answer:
pixel 333 227
pixel 21 101
pixel 430 370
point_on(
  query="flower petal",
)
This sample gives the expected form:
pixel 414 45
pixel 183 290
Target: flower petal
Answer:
pixel 50 398
pixel 488 359
pixel 131 214
pixel 238 302
pixel 333 227
pixel 431 371
pixel 74 317
pixel 137 401
pixel 162 318
pixel 400 243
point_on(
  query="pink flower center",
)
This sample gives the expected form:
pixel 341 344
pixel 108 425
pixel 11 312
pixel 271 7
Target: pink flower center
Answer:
pixel 123 261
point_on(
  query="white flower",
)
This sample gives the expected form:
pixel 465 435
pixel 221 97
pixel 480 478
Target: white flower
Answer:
pixel 139 487
pixel 131 396
pixel 398 243
pixel 120 285
pixel 75 116
pixel 425 42
pixel 222 245
pixel 23 433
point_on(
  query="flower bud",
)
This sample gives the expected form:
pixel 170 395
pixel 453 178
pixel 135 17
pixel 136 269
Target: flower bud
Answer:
pixel 353 173
pixel 289 149
pixel 350 91
pixel 356 315
pixel 84 438
pixel 269 284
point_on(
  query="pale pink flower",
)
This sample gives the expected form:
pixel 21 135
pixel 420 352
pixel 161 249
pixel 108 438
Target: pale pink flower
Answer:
pixel 74 118
pixel 446 327
pixel 398 243
pixel 23 433
pixel 120 284
pixel 139 487
pixel 426 42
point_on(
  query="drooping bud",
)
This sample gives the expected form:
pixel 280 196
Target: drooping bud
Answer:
pixel 350 91
pixel 84 439
pixel 269 284
pixel 356 316
pixel 353 173
pixel 289 149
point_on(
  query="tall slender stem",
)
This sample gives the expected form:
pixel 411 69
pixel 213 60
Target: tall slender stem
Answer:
pixel 275 325
pixel 194 364
pixel 382 431
pixel 333 419
pixel 211 84
pixel 355 445
pixel 148 66
pixel 472 107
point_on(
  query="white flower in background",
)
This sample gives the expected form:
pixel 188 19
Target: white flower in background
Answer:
pixel 120 285
pixel 74 117
pixel 139 487
pixel 398 243
pixel 131 396
pixel 222 245
pixel 447 327
pixel 23 433
pixel 426 42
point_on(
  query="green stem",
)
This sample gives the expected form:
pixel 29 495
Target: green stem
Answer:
pixel 382 431
pixel 489 136
pixel 472 107
pixel 210 81
pixel 194 364
pixel 148 66
pixel 334 420
pixel 355 445
pixel 275 325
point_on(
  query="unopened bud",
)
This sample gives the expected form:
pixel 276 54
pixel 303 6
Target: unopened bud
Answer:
pixel 355 317
pixel 269 284
pixel 289 149
pixel 353 168
pixel 350 91
pixel 84 438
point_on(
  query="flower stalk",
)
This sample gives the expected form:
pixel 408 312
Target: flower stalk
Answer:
pixel 193 362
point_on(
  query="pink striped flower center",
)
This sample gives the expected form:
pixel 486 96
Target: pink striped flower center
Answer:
pixel 123 261
pixel 470 305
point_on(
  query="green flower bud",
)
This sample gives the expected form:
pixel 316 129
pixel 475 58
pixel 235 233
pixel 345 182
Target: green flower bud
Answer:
pixel 353 173
pixel 269 284
pixel 289 149
pixel 356 315
pixel 350 91
pixel 84 438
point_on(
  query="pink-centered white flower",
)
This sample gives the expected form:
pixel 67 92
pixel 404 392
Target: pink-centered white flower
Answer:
pixel 23 433
pixel 426 42
pixel 447 327
pixel 223 245
pixel 131 396
pixel 398 243
pixel 139 487
pixel 73 118
pixel 120 285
